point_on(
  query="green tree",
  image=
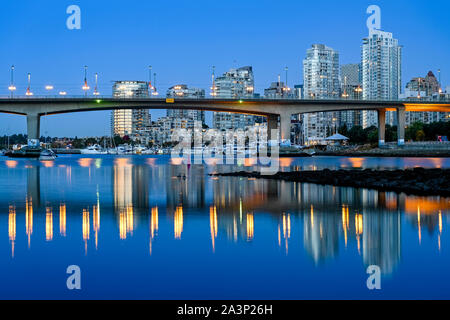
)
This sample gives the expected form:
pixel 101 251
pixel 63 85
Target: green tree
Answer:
pixel 411 131
pixel 420 135
pixel 343 130
pixel 357 135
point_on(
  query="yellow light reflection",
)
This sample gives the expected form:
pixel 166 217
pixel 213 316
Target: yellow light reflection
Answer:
pixel 12 228
pixel 29 219
pixel 85 162
pixel 11 163
pixel 440 229
pixel 248 162
pixel 48 224
pixel 48 164
pixel 178 222
pixel 122 226
pixel 285 162
pixel 356 162
pixel 154 222
pixel 358 229
pixel 213 225
pixel 286 230
pixel 345 222
pixel 250 226
pixel 151 161
pixel 130 220
pixel 96 222
pixel 85 228
pixel 418 225
pixel 62 219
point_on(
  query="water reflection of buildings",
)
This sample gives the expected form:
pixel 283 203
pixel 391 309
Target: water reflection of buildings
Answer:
pixel 381 239
pixel 130 185
pixel 185 186
pixel 329 217
pixel 130 192
pixel 321 234
pixel 366 219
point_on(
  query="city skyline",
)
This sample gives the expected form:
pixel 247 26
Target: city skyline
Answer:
pixel 193 66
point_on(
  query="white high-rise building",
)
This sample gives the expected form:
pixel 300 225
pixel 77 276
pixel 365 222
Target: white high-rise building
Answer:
pixel 185 118
pixel 321 81
pixel 234 84
pixel 130 122
pixel 351 89
pixel 381 72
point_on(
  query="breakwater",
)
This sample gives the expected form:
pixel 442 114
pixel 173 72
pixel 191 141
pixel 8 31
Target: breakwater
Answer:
pixel 418 181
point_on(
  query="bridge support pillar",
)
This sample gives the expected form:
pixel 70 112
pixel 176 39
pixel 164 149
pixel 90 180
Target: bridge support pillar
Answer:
pixel 381 127
pixel 272 124
pixel 401 123
pixel 285 126
pixel 33 129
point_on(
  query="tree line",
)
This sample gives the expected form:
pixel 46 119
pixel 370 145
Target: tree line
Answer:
pixel 417 131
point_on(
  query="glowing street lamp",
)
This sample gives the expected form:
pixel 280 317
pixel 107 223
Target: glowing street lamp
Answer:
pixel 345 94
pixel 286 88
pixel 12 87
pixel 49 87
pixel 96 93
pixel 213 88
pixel 155 92
pixel 85 87
pixel 150 87
pixel 28 92
pixel 62 93
pixel 358 91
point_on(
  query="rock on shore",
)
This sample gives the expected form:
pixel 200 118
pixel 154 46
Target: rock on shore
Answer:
pixel 417 181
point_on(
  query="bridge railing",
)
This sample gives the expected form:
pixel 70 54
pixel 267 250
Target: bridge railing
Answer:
pixel 439 98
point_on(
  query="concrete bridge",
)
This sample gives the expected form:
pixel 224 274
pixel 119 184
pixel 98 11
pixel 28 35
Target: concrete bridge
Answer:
pixel 274 110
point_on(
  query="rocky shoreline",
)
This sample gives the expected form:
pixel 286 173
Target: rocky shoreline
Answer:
pixel 417 181
pixel 388 153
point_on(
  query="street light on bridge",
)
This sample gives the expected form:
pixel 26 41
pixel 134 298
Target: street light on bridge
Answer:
pixel 213 88
pixel 49 88
pixel 85 87
pixel 28 92
pixel 12 87
pixel 96 93
pixel 358 91
pixel 150 86
pixel 155 91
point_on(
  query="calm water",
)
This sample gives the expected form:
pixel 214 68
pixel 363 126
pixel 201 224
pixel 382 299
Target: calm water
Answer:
pixel 141 227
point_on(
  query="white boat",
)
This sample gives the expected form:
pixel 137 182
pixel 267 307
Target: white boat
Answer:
pixel 95 149
pixel 142 150
pixel 47 155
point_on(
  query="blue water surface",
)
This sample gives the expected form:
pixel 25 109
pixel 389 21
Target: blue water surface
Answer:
pixel 143 227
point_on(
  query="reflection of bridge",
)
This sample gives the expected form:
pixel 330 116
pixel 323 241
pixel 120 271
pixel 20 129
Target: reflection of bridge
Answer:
pixel 283 109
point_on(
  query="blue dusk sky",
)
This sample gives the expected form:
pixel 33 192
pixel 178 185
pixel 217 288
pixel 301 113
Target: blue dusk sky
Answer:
pixel 183 39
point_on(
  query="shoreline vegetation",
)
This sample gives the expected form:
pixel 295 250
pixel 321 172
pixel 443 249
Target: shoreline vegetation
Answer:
pixel 417 181
pixel 377 152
